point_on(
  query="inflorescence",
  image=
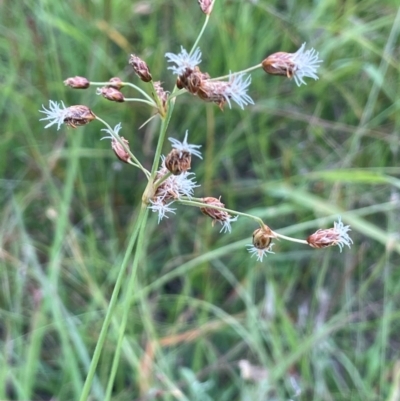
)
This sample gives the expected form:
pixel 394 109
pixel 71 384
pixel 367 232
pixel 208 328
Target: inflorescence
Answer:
pixel 173 183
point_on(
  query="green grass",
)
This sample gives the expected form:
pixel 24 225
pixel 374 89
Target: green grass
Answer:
pixel 298 158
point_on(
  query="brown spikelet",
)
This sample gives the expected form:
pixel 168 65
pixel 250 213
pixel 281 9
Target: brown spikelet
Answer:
pixel 77 82
pixel 140 67
pixel 215 214
pixel 78 115
pixel 262 237
pixel 111 94
pixel 280 63
pixel 119 150
pixel 178 161
pixel 206 6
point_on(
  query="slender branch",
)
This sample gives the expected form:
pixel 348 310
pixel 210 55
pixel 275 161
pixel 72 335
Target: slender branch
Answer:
pixel 129 161
pixel 148 120
pixel 135 99
pixel 200 35
pixel 300 241
pixel 101 83
pixel 255 67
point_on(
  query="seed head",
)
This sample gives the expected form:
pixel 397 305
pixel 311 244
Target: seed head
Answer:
pixel 178 162
pixel 119 150
pixel 191 80
pixel 221 92
pixel 215 214
pixel 111 93
pixel 262 244
pixel 77 82
pixel 331 236
pixel 140 67
pixel 72 116
pixel 294 65
pixel 78 115
pixel 206 6
pixel 223 217
pixel 279 64
pixel 262 237
pixel 174 186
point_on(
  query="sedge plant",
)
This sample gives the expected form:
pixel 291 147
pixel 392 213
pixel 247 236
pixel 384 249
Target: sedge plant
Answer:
pixel 170 180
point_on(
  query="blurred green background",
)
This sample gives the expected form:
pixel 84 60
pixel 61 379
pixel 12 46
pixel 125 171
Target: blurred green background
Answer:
pixel 307 324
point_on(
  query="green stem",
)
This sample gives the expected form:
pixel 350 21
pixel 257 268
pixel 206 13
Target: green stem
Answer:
pixel 200 35
pixel 118 138
pixel 300 241
pixel 137 100
pixel 130 288
pixel 133 163
pixel 113 301
pixel 126 306
pixel 255 67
